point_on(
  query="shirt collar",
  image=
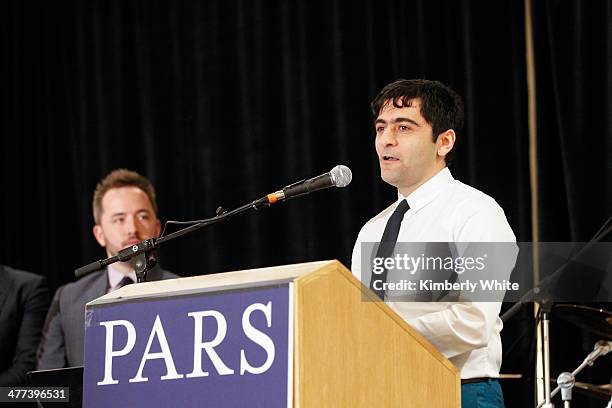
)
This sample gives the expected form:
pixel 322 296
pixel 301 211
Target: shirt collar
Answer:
pixel 115 276
pixel 428 190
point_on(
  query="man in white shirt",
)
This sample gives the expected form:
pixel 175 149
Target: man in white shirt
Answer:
pixel 416 124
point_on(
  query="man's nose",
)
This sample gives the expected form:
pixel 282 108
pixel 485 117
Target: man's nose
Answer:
pixel 131 226
pixel 387 137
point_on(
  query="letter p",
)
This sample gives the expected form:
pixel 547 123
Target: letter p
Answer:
pixel 109 353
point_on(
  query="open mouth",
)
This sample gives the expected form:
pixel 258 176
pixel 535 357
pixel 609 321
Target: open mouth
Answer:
pixel 390 158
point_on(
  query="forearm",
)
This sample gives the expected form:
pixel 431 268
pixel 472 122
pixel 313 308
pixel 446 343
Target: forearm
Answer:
pixel 459 328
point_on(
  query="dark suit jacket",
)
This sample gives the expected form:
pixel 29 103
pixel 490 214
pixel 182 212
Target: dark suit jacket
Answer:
pixel 64 332
pixel 24 299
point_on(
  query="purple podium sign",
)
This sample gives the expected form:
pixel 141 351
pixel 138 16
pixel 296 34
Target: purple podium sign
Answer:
pixel 220 349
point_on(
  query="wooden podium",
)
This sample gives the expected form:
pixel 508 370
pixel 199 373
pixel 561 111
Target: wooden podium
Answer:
pixel 343 348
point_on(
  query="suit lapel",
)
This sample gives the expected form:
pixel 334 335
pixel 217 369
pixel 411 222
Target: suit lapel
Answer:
pixel 93 291
pixel 97 288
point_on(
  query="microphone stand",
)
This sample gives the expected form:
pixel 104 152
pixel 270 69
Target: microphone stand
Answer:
pixel 143 256
pixel 535 294
pixel 546 307
pixel 566 380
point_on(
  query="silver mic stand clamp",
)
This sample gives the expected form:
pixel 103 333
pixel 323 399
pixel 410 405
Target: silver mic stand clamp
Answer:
pixel 566 381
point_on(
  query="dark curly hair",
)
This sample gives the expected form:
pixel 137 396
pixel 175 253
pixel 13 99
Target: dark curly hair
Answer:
pixel 441 107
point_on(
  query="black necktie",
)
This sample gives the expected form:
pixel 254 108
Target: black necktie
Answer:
pixel 387 244
pixel 125 281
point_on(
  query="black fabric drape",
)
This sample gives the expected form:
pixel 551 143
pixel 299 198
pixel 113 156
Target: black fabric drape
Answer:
pixel 573 51
pixel 574 77
pixel 220 102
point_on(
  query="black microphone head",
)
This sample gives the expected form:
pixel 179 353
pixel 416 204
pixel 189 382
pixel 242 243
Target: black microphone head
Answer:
pixel 341 176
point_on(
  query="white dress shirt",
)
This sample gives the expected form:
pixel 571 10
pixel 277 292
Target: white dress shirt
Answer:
pixel 115 276
pixel 445 210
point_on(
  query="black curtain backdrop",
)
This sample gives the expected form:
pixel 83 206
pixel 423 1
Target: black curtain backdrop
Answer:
pixel 220 102
pixel 573 45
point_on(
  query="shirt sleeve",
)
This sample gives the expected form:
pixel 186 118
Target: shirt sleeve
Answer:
pixel 466 326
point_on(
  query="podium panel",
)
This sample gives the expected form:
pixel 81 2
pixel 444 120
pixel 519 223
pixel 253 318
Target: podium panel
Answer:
pixel 216 349
pixel 289 336
pixel 374 359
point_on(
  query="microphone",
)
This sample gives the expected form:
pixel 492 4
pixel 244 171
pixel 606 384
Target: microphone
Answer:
pixel 602 347
pixel 339 176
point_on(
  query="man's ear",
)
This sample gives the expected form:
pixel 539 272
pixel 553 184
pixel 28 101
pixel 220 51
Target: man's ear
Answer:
pixel 99 234
pixel 445 142
pixel 157 228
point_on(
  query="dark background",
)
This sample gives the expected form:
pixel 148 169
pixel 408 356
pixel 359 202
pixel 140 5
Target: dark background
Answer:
pixel 221 102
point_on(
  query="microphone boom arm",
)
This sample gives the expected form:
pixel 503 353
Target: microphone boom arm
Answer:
pixel 142 255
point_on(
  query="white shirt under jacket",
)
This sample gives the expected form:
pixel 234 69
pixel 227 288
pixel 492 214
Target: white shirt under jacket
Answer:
pixel 446 210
